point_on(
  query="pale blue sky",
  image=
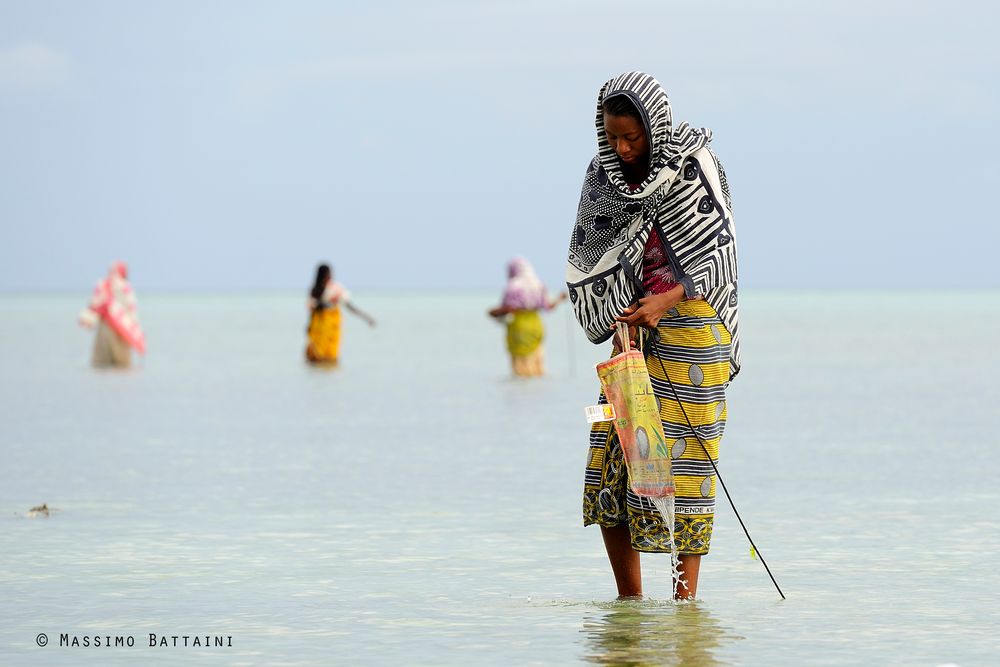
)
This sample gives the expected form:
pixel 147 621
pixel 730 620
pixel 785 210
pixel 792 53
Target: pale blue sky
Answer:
pixel 231 145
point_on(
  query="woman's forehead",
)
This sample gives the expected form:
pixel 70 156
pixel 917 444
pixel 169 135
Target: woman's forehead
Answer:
pixel 622 124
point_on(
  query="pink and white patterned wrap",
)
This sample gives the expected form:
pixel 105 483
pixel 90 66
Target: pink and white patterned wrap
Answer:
pixel 114 302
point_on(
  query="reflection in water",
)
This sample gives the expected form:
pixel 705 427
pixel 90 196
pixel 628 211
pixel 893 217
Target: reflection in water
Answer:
pixel 654 633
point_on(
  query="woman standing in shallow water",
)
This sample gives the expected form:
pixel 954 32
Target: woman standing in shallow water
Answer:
pixel 523 297
pixel 112 311
pixel 654 247
pixel 325 299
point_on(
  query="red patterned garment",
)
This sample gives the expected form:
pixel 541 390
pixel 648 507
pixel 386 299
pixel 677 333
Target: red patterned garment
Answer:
pixel 657 277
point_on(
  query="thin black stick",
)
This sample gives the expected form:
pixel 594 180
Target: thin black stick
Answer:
pixel 746 531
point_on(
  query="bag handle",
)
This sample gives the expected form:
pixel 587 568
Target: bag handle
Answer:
pixel 622 330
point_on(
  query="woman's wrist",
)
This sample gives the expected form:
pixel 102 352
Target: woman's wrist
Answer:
pixel 670 298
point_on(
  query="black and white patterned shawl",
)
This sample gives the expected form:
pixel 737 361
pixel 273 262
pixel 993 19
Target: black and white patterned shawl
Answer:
pixel 687 197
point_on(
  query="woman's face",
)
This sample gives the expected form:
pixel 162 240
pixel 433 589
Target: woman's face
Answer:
pixel 627 137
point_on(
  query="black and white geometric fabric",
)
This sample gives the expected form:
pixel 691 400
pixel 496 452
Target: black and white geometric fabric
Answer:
pixel 685 198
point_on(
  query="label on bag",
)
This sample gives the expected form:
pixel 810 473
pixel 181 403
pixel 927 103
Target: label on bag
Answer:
pixel 605 412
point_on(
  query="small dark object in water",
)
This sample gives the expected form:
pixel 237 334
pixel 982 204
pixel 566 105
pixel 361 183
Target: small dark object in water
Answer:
pixel 37 510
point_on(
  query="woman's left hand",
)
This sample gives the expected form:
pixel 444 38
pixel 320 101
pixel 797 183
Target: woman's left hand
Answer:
pixel 650 309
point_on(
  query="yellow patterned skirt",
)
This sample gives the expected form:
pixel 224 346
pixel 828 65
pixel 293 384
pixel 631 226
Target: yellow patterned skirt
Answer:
pixel 324 336
pixel 525 332
pixel 693 347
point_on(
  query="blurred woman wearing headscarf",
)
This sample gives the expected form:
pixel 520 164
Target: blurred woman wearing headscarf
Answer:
pixel 112 311
pixel 523 298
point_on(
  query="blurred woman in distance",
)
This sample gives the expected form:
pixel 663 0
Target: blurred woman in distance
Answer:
pixel 523 298
pixel 112 311
pixel 325 300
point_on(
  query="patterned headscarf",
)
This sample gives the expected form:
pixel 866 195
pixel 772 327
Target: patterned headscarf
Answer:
pixel 525 290
pixel 604 252
pixel 685 197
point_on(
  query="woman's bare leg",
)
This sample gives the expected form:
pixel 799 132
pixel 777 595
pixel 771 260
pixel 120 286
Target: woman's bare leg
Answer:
pixel 539 362
pixel 624 560
pixel 517 365
pixel 689 566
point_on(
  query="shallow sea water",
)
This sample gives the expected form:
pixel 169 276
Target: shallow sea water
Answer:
pixel 417 506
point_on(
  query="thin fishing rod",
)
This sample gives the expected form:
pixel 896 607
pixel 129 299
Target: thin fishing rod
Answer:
pixel 718 474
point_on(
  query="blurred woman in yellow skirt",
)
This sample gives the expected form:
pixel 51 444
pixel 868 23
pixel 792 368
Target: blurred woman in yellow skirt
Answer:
pixel 523 297
pixel 325 299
